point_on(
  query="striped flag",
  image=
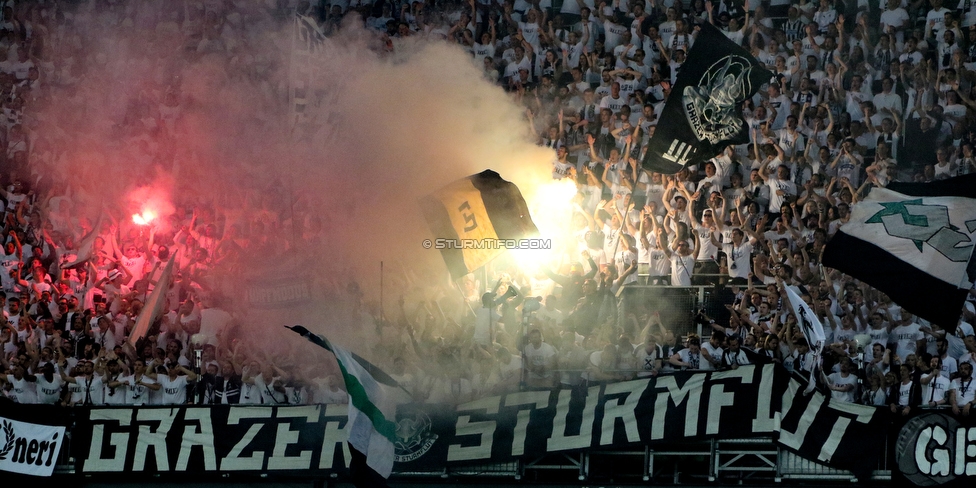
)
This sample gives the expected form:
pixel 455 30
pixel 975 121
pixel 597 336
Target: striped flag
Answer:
pixel 914 246
pixel 154 305
pixel 476 210
pixel 372 410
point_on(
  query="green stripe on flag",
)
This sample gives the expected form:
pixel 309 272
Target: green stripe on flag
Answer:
pixel 360 400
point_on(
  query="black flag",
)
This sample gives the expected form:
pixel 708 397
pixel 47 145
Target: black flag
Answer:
pixel 703 113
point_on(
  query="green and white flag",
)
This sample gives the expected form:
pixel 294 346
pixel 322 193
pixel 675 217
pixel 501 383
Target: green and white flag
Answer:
pixel 916 248
pixel 372 405
pixel 372 416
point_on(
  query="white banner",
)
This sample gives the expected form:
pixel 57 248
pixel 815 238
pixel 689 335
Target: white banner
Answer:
pixel 29 448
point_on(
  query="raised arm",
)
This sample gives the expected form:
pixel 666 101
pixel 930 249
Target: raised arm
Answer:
pixel 764 167
pixel 664 51
pixel 591 140
pixel 662 241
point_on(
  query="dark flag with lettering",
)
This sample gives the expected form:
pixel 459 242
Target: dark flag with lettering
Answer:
pixel 703 113
pixel 915 246
pixel 472 214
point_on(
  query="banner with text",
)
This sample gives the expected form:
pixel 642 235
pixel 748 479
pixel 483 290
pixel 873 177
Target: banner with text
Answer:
pixel 29 448
pixel 935 448
pixel 751 401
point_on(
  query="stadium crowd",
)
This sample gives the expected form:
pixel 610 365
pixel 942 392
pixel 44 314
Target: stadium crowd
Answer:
pixel 76 272
pixel 854 82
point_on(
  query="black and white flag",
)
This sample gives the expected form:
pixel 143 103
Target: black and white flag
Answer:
pixel 703 113
pixel 812 330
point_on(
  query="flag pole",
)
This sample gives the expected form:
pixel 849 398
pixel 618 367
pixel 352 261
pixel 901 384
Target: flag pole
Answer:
pixel 382 314
pixel 374 370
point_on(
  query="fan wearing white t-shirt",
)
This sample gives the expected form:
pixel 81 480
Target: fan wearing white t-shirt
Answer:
pixel 173 384
pixel 682 260
pixel 906 336
pixel 88 385
pixel 624 257
pixel 782 190
pixel 706 230
pixel 963 393
pixel 935 387
pixel 115 390
pixel 649 356
pixel 935 19
pixel 139 385
pixel 904 394
pixel 330 392
pixel 22 389
pixel 48 386
pixel 271 388
pixel 531 30
pixel 540 361
pixel 689 357
pixel 894 18
pixel 712 352
pixel 739 255
pixel 843 384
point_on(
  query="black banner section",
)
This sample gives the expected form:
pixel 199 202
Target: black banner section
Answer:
pixel 917 291
pixel 751 401
pixel 935 448
pixel 221 438
pixel 703 113
pixel 958 186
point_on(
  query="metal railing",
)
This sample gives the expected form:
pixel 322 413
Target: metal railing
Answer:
pixel 720 461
